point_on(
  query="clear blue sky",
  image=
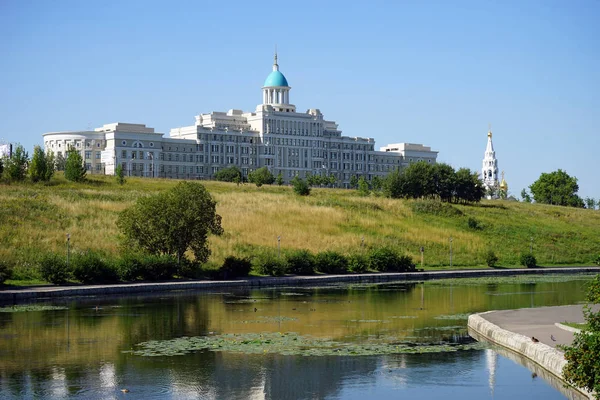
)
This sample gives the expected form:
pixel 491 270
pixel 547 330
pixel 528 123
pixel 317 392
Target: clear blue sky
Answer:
pixel 431 72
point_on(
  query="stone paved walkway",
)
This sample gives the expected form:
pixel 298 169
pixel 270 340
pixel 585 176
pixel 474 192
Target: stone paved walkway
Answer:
pixel 539 322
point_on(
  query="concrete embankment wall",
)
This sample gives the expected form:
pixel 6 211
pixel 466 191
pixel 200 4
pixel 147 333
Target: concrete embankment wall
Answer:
pixel 15 295
pixel 547 357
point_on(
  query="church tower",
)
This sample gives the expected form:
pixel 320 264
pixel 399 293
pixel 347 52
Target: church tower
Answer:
pixel 489 170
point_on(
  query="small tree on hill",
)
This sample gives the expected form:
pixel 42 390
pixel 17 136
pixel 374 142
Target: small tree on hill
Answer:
pixel 279 179
pixel 590 203
pixel 74 168
pixel 15 166
pixel 120 175
pixel 525 196
pixel 353 182
pixel 173 222
pixel 41 167
pixel 261 176
pixel 363 186
pixel 300 186
pixel 60 162
pixel 229 174
pixel 556 188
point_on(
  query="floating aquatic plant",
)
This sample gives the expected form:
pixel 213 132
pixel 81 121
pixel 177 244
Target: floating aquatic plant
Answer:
pixel 453 317
pixel 266 320
pixel 287 344
pixel 30 307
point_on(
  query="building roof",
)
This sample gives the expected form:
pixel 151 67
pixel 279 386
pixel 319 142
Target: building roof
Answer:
pixel 275 78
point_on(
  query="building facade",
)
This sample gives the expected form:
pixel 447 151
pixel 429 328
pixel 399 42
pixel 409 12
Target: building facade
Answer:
pixel 274 135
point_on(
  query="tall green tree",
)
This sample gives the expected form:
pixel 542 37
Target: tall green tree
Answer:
pixel 556 188
pixel 419 180
pixel 60 162
pixel 468 188
pixel 15 166
pixel 261 176
pixel 41 167
pixel 74 167
pixel 443 181
pixel 394 185
pixel 173 222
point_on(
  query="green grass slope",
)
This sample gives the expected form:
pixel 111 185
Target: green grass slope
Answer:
pixel 34 220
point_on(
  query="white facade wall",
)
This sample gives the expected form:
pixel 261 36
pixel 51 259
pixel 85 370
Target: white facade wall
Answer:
pixel 273 136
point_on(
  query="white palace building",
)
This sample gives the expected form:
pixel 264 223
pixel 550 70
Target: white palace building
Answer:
pixel 274 135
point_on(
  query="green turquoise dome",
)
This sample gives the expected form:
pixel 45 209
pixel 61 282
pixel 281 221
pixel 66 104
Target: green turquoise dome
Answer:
pixel 275 78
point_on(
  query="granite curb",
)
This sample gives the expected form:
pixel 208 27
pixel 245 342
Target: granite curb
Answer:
pixel 22 294
pixel 547 357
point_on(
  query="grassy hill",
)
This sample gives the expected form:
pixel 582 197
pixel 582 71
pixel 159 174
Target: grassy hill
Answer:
pixel 34 220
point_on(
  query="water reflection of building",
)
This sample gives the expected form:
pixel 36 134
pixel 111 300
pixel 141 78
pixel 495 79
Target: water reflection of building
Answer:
pixel 491 362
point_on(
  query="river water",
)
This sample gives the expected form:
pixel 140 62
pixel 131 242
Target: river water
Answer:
pixel 386 341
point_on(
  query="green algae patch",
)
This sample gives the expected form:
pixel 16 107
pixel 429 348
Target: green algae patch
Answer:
pixel 30 307
pixel 452 317
pixel 266 320
pixel 288 344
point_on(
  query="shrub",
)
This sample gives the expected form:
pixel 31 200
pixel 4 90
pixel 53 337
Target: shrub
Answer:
pixel 381 259
pixel 53 269
pixel 528 260
pixel 598 260
pixel 268 263
pixel 405 264
pixel 300 186
pixel 235 267
pixel 331 262
pixel 5 272
pixel 129 267
pixel 385 259
pixel 491 259
pixel 358 263
pixel 301 262
pixel 158 268
pixel 189 269
pixel 472 223
pixel 89 267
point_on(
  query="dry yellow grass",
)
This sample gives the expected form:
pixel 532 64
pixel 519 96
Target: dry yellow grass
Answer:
pixel 34 220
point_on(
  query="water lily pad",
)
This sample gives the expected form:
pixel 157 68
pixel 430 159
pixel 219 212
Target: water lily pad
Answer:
pixel 288 344
pixel 453 316
pixel 265 320
pixel 30 307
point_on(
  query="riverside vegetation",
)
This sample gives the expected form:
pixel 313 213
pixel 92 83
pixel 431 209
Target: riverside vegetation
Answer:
pixel 331 230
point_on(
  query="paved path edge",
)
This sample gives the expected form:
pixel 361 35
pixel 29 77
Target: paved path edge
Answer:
pixel 545 356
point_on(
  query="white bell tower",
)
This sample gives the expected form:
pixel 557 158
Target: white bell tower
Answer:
pixel 489 169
